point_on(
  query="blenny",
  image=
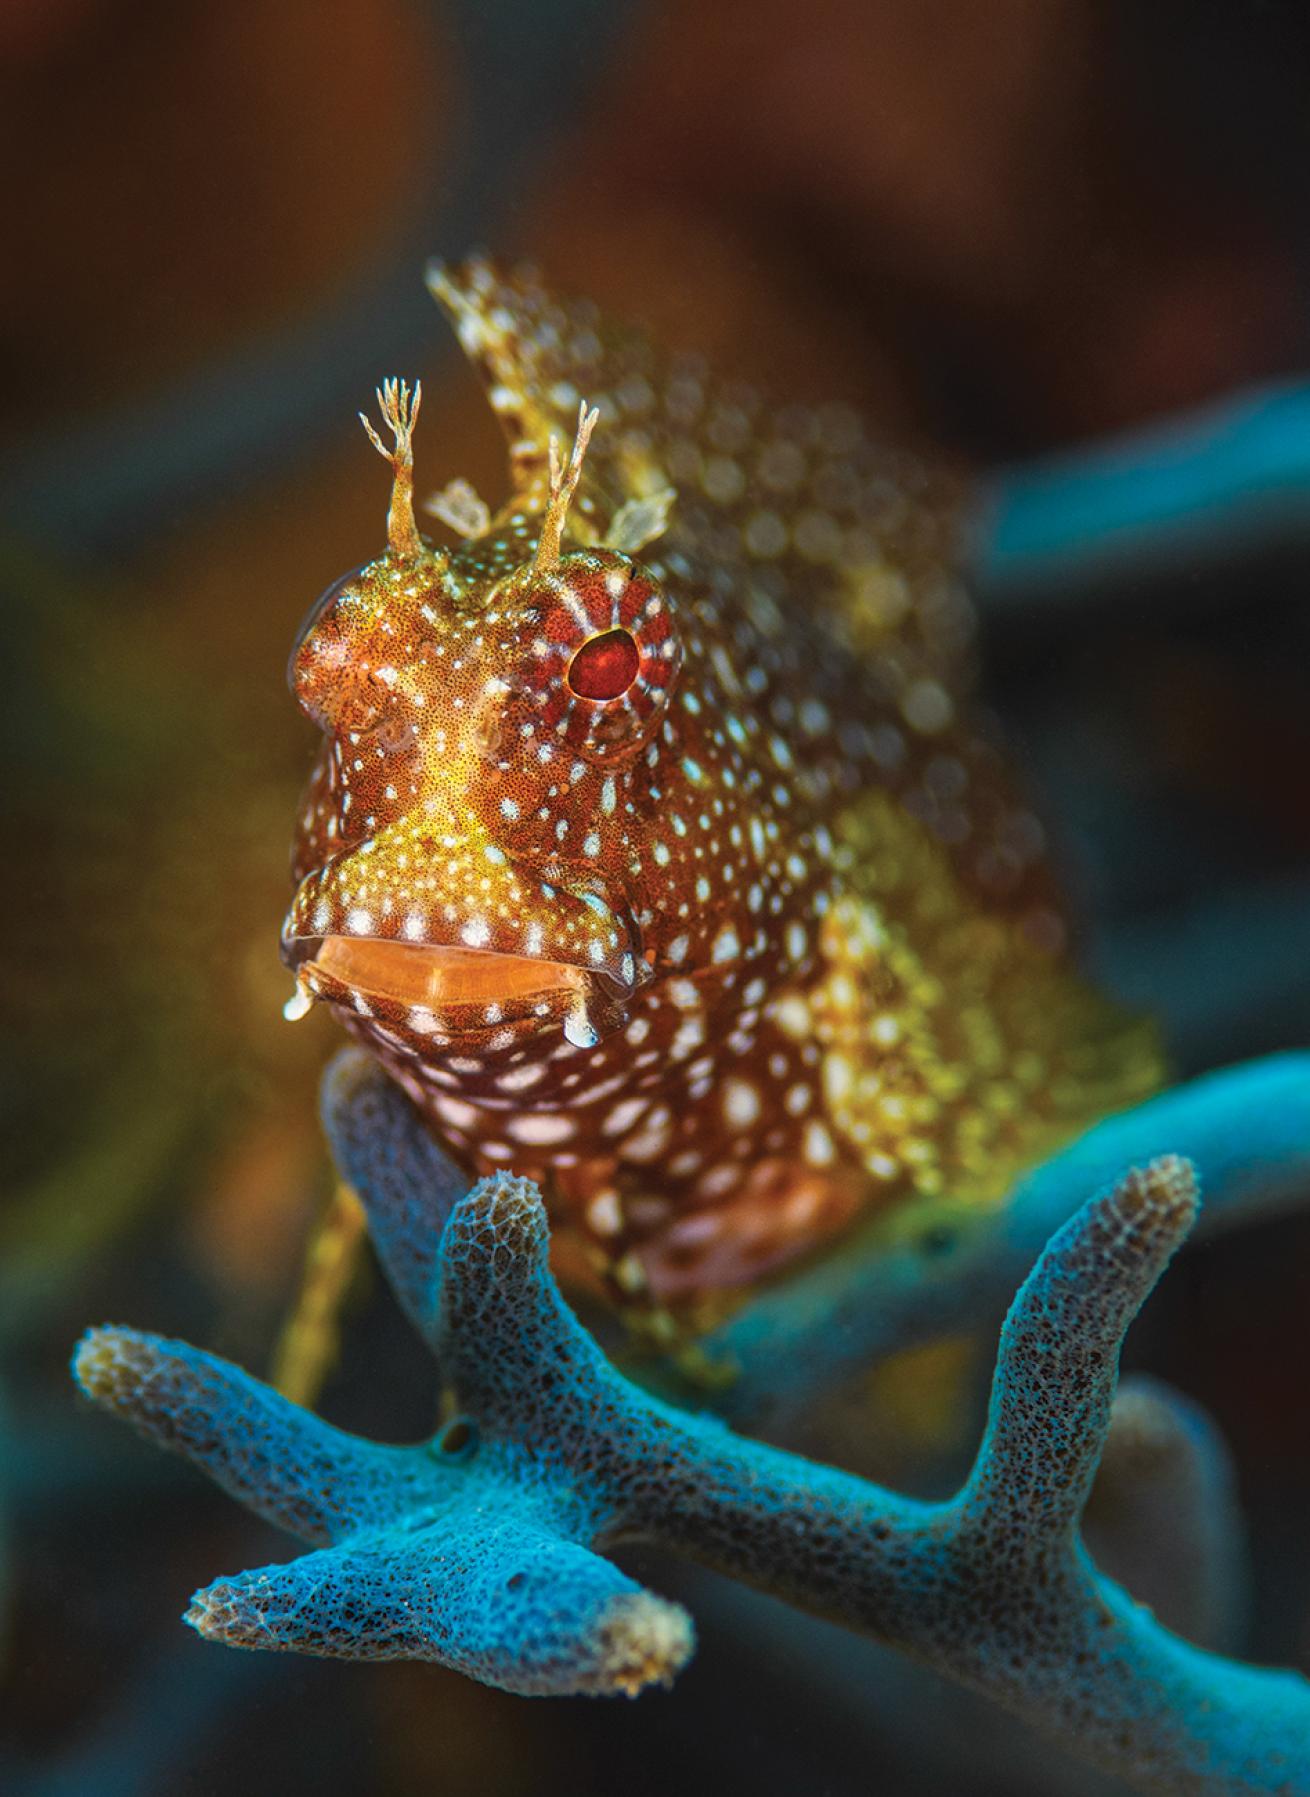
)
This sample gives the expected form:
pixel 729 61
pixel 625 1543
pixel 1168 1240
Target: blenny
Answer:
pixel 654 846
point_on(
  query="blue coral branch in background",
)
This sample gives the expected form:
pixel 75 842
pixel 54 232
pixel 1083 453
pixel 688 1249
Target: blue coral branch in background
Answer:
pixel 384 1150
pixel 1164 1517
pixel 1246 1129
pixel 1223 475
pixel 483 1549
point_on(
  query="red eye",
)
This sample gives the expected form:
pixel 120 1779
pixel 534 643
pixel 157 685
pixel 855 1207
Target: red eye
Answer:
pixel 605 667
pixel 605 656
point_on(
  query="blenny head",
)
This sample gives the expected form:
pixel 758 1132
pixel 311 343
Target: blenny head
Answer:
pixel 463 847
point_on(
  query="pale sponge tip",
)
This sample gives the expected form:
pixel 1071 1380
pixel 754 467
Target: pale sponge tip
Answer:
pixel 104 1365
pixel 643 1640
pixel 1164 1193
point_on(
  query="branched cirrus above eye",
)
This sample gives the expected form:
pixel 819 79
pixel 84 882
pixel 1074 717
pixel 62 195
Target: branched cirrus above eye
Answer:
pixel 605 666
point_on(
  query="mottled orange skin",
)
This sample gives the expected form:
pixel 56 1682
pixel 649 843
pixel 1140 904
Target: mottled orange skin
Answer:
pixel 800 954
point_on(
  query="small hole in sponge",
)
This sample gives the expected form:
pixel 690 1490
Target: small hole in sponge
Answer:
pixel 457 1439
pixel 515 1580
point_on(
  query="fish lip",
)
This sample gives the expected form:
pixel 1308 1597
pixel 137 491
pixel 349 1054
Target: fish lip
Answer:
pixel 299 948
pixel 300 951
pixel 406 986
pixel 592 933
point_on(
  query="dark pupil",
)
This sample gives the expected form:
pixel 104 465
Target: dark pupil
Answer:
pixel 605 667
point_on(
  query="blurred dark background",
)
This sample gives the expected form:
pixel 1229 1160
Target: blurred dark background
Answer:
pixel 1063 243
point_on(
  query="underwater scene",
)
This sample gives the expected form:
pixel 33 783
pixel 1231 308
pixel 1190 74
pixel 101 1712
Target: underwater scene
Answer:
pixel 656 1128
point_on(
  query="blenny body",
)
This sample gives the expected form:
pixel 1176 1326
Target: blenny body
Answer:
pixel 653 847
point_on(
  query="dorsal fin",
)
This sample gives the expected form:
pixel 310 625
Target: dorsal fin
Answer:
pixel 539 360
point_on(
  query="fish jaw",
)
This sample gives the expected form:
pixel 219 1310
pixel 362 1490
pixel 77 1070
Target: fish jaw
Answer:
pixel 441 935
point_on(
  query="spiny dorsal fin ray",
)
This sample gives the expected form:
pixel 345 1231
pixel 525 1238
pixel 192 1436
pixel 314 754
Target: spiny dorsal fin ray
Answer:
pixel 540 360
pixel 837 524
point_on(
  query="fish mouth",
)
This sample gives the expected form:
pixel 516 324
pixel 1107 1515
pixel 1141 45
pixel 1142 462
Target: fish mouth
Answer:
pixel 443 980
pixel 446 935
